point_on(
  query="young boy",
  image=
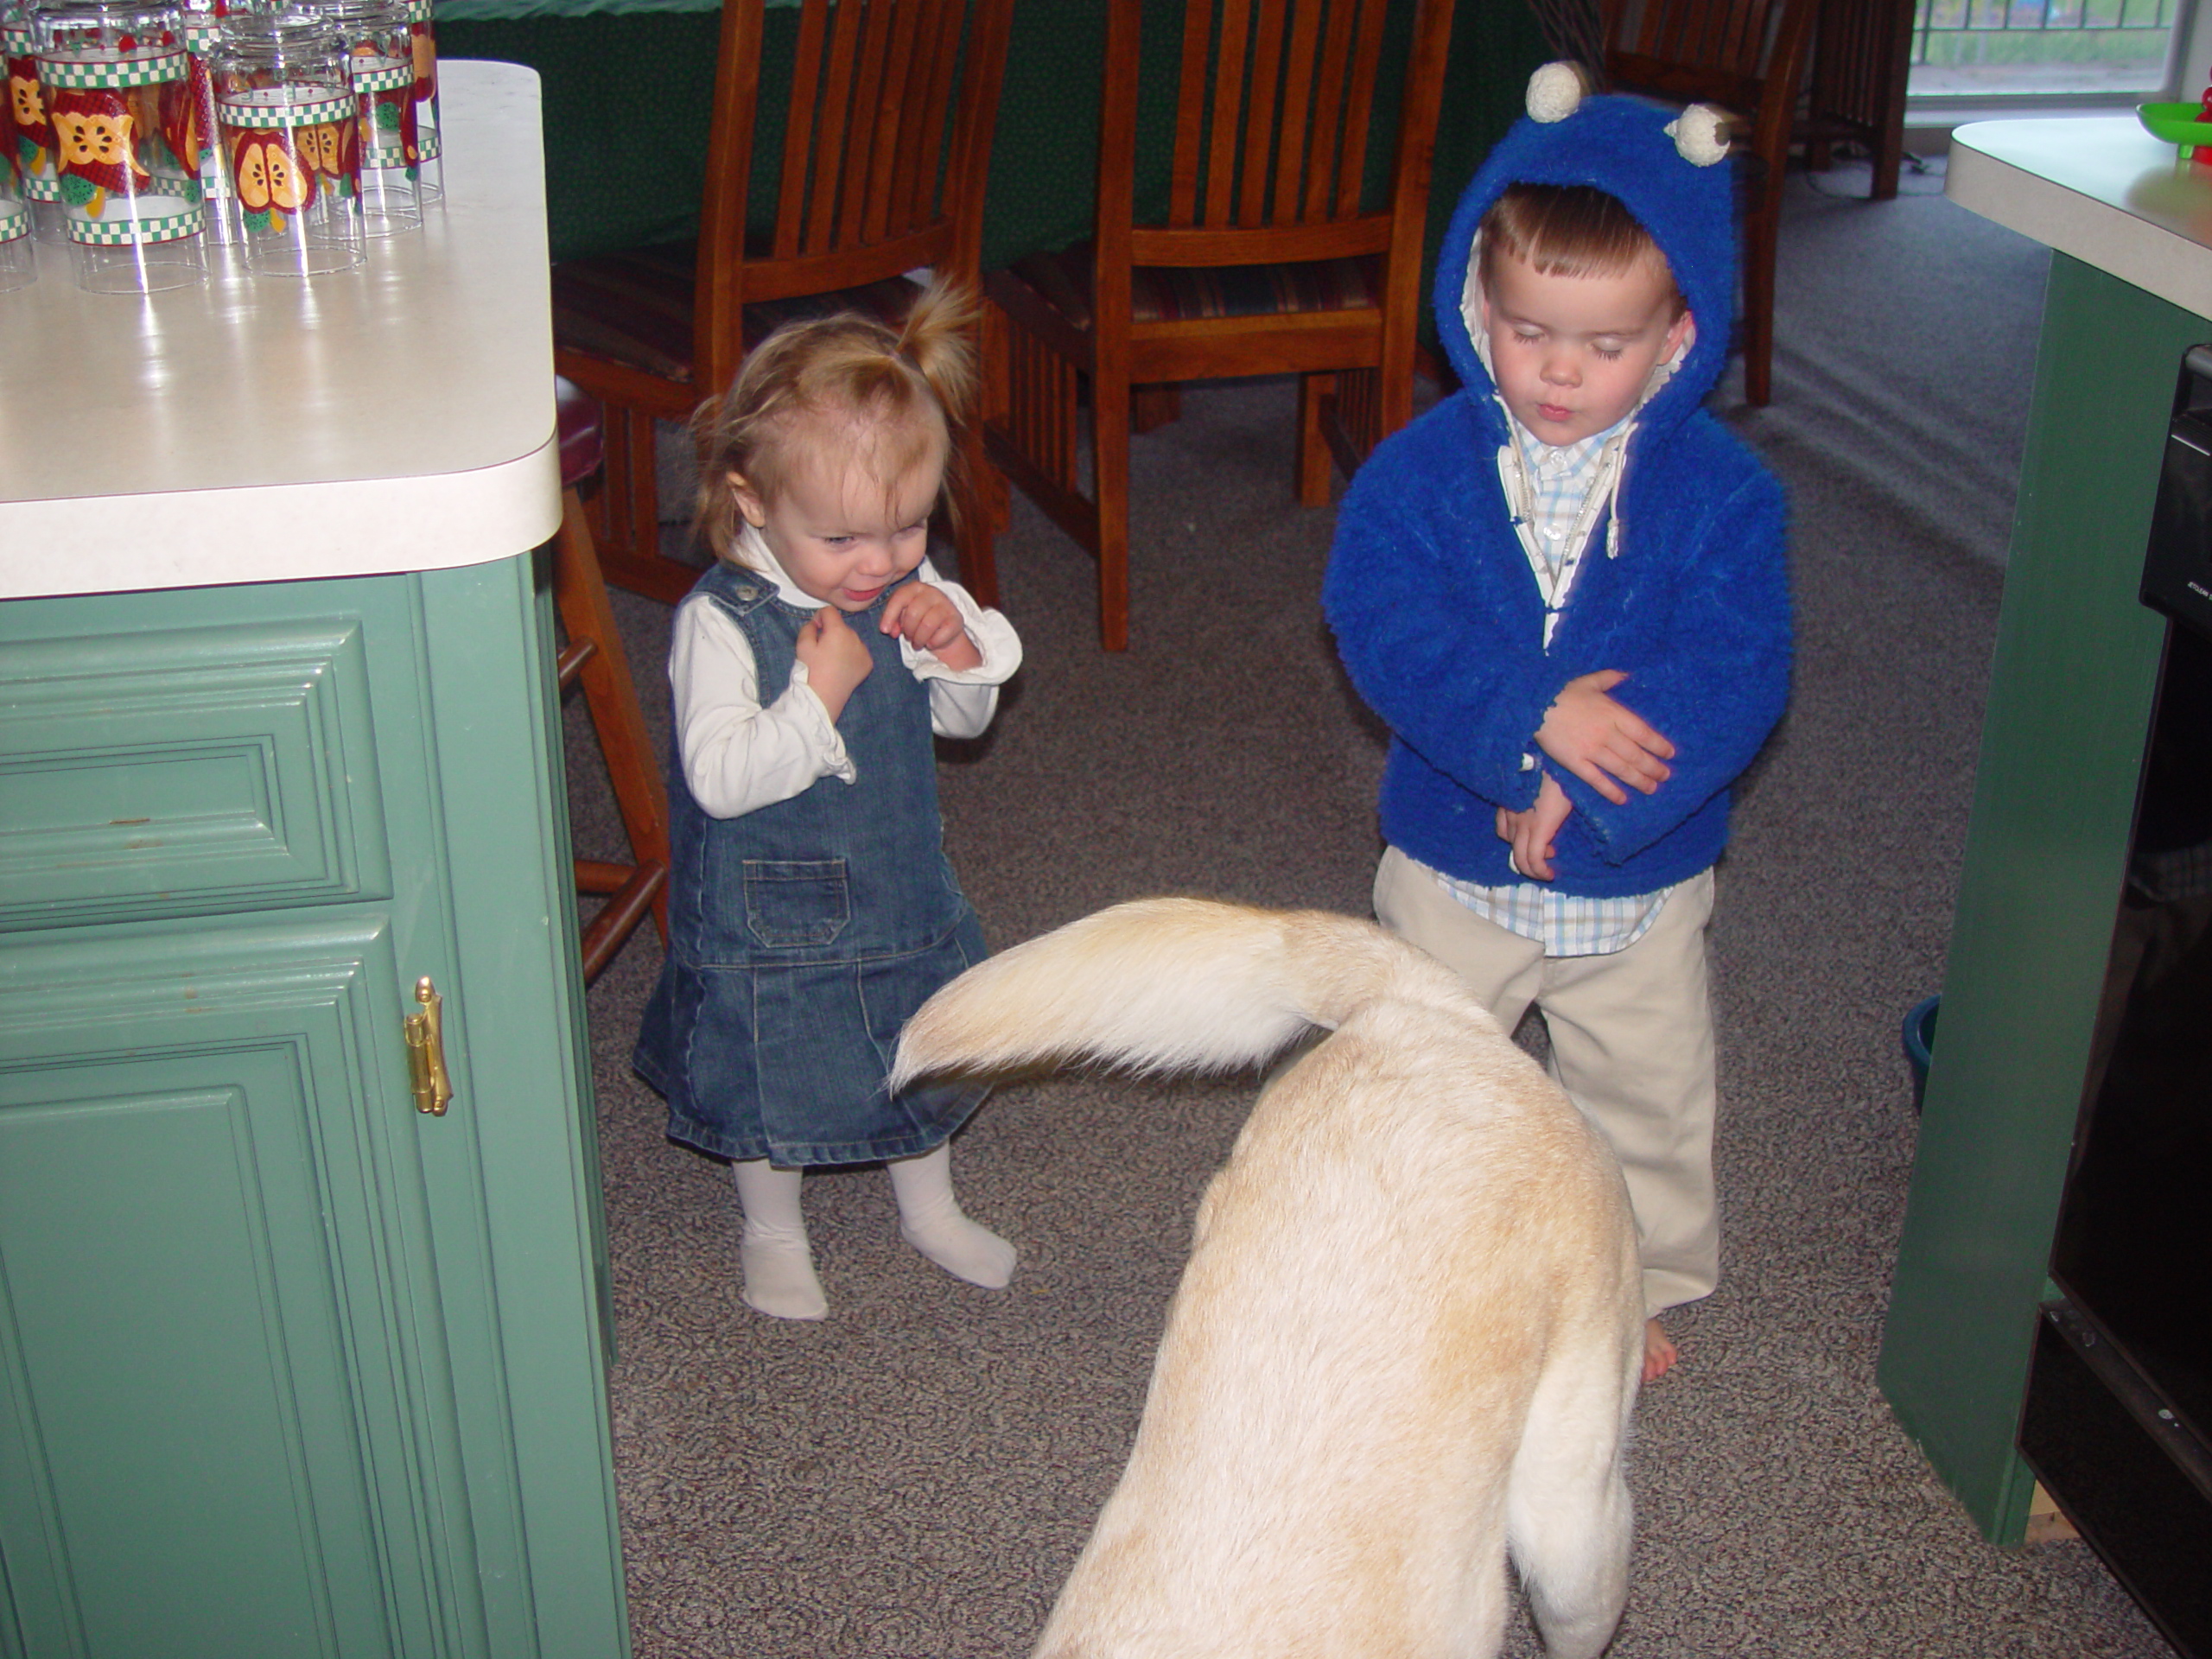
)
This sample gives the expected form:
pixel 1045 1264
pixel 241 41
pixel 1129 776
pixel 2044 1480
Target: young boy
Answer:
pixel 1563 589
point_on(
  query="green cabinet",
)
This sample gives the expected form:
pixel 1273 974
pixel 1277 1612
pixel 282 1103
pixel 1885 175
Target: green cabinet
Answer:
pixel 287 1367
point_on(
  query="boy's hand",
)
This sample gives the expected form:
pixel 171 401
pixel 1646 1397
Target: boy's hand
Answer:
pixel 1599 740
pixel 1531 833
pixel 926 619
pixel 837 658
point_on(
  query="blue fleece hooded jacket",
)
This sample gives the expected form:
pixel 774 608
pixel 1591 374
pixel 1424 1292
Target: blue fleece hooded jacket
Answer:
pixel 1438 616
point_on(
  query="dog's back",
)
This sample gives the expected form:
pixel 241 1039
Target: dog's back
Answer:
pixel 1410 1326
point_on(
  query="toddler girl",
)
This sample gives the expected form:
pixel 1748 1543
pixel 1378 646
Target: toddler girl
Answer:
pixel 811 908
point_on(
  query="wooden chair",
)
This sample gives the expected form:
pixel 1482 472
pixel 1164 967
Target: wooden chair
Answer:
pixel 1747 56
pixel 886 145
pixel 1862 58
pixel 1266 260
pixel 594 655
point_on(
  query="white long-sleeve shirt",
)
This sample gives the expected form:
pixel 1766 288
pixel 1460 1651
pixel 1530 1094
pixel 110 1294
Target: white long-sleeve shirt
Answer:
pixel 739 756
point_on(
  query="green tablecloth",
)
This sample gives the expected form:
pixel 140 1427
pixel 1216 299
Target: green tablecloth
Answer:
pixel 627 93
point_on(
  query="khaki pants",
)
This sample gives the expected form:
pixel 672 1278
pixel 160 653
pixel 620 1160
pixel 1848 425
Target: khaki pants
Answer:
pixel 1632 1037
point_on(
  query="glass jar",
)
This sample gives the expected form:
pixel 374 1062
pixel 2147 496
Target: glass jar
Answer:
pixel 18 261
pixel 380 51
pixel 198 143
pixel 288 124
pixel 422 41
pixel 30 135
pixel 113 79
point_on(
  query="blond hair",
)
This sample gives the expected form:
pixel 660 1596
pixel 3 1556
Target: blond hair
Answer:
pixel 896 394
pixel 1567 230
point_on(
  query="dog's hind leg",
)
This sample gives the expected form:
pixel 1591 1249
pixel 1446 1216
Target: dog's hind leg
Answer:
pixel 1567 1513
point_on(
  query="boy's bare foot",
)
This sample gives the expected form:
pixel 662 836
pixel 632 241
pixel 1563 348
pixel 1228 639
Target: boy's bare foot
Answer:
pixel 1659 1351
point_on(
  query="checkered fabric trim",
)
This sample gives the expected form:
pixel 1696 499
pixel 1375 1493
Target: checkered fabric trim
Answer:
pixel 273 116
pixel 426 137
pixel 419 11
pixel 47 187
pixel 127 228
pixel 381 75
pixel 15 221
pixel 112 71
pixel 1163 294
pixel 635 309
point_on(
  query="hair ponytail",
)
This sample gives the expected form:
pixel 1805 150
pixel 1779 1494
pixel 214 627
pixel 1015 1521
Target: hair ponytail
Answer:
pixel 912 387
pixel 938 338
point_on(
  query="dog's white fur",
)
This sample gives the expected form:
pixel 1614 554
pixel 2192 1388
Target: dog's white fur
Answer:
pixel 1410 1333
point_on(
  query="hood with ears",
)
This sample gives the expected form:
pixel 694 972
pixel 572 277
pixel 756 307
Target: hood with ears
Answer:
pixel 1667 167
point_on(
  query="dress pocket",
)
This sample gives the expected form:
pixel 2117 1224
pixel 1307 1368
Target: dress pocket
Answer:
pixel 796 902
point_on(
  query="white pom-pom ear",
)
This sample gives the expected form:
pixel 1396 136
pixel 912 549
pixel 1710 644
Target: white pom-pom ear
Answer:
pixel 1700 133
pixel 1555 91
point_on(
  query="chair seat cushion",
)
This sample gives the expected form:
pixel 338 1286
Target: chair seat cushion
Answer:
pixel 1178 294
pixel 575 418
pixel 634 308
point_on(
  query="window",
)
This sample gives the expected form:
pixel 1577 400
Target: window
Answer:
pixel 2123 48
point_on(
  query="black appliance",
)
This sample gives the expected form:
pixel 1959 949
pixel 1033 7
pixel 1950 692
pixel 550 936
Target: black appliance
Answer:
pixel 2117 1419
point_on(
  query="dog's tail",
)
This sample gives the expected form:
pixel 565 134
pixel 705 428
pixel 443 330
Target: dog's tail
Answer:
pixel 1165 985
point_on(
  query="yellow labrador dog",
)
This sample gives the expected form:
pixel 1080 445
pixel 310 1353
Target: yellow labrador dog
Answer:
pixel 1408 1340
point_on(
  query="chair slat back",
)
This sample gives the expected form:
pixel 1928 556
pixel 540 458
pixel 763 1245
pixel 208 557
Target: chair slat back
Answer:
pixel 1727 35
pixel 867 128
pixel 1723 51
pixel 886 136
pixel 1276 103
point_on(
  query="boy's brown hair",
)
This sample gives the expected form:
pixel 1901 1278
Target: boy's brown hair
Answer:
pixel 1567 230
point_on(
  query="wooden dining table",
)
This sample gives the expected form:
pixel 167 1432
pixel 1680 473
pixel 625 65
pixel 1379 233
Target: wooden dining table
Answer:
pixel 628 85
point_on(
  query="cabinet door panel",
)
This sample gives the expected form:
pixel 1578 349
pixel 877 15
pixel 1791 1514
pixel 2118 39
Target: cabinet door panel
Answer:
pixel 225 1420
pixel 186 770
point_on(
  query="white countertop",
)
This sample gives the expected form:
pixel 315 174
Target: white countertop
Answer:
pixel 2099 188
pixel 397 418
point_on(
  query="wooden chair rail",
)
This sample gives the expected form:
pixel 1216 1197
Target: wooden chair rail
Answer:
pixel 1271 246
pixel 1735 91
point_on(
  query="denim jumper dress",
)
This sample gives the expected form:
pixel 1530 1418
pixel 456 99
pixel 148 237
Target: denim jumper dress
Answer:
pixel 802 937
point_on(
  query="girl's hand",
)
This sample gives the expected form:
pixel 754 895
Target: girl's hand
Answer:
pixel 928 620
pixel 1531 833
pixel 1599 740
pixel 837 658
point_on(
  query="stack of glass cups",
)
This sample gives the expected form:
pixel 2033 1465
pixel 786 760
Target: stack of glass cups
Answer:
pixel 197 126
pixel 380 51
pixel 18 263
pixel 423 41
pixel 29 134
pixel 289 124
pixel 114 77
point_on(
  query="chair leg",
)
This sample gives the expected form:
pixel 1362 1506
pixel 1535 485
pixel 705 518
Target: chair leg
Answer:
pixel 979 569
pixel 993 409
pixel 596 657
pixel 629 512
pixel 1109 437
pixel 1152 407
pixel 1315 392
pixel 1761 234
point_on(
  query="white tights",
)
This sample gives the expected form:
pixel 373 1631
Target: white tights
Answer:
pixel 779 1268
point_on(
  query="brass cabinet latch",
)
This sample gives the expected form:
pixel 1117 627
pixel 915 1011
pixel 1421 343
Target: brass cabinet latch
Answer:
pixel 426 1052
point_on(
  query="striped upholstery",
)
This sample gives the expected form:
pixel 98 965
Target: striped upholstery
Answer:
pixel 634 308
pixel 1174 293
